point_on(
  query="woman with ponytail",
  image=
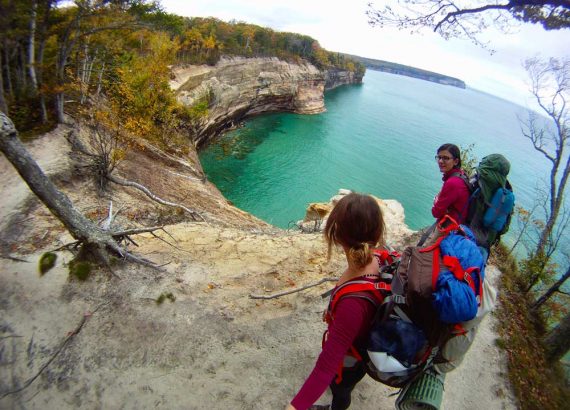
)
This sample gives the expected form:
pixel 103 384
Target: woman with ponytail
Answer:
pixel 355 225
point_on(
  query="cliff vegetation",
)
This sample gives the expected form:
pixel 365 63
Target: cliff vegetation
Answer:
pixel 59 61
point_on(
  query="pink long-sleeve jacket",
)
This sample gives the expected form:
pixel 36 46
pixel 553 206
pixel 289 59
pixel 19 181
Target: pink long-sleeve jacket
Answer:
pixel 453 197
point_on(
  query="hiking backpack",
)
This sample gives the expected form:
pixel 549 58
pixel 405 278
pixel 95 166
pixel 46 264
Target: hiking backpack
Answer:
pixel 408 334
pixel 491 203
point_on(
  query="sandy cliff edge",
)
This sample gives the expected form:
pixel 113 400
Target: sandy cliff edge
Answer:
pixel 213 348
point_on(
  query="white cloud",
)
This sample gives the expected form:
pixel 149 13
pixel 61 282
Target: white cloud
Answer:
pixel 341 25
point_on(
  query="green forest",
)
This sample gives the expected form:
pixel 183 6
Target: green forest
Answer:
pixel 93 58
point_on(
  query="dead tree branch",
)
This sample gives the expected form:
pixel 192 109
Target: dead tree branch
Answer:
pixel 12 258
pixel 288 292
pixel 195 215
pixel 92 238
pixel 62 346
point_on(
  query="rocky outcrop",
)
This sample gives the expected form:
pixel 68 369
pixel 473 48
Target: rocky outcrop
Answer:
pixel 335 77
pixel 397 232
pixel 237 88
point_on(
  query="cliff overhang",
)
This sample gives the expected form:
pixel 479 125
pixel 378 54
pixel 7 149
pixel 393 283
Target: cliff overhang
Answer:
pixel 237 88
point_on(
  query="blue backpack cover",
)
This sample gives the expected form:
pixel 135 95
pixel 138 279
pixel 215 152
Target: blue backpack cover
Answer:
pixel 453 299
pixel 499 209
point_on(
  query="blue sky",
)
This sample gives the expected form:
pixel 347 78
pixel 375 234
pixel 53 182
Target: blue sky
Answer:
pixel 342 26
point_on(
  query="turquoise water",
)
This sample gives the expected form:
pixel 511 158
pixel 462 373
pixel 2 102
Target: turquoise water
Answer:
pixel 379 137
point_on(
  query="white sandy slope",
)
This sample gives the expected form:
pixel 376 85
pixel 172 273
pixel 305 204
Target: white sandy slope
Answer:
pixel 213 348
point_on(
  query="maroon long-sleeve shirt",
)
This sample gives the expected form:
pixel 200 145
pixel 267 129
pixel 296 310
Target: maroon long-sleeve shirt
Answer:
pixel 453 197
pixel 351 326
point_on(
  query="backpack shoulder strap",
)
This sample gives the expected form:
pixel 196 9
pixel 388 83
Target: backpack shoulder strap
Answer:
pixel 463 177
pixel 360 288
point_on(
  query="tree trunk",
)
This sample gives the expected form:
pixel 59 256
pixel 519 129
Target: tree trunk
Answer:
pixel 8 73
pixel 100 79
pixel 557 342
pixel 59 107
pixel 3 105
pixel 41 49
pixel 22 77
pixel 60 81
pixel 83 76
pixel 57 202
pixel 32 48
pixel 65 46
pixel 553 289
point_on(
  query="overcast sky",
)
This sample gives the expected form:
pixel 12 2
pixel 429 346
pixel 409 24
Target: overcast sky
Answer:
pixel 341 25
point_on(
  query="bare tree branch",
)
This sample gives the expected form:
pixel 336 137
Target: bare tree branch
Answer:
pixel 288 292
pixel 62 346
pixel 467 19
pixel 195 215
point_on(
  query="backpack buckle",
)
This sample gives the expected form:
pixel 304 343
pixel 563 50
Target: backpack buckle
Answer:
pixel 382 286
pixel 398 299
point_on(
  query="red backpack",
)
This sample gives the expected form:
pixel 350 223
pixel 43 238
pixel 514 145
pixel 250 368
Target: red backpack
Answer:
pixel 403 296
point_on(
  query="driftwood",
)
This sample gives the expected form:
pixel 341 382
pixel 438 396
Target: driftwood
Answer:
pixel 288 292
pixel 62 346
pixel 106 224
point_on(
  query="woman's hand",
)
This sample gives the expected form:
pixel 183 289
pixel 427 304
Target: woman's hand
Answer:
pixel 290 407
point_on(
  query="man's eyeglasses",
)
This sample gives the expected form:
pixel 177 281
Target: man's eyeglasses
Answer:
pixel 442 158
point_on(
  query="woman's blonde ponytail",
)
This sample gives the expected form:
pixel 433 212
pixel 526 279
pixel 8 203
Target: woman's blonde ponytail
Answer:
pixel 360 254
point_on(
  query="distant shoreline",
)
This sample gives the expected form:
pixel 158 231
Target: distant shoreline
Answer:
pixel 400 69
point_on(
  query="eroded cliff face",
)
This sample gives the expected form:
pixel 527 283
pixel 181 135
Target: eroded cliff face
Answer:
pixel 335 78
pixel 238 88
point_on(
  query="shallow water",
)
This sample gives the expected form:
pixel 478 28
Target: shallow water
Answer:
pixel 379 137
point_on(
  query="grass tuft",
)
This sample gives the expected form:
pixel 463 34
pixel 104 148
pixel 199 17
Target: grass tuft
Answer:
pixel 47 261
pixel 80 269
pixel 163 296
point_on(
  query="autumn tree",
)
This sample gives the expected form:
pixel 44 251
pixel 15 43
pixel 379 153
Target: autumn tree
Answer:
pixel 21 23
pixel 466 19
pixel 140 95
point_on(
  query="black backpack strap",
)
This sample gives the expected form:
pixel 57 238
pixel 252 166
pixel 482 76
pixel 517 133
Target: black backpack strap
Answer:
pixel 426 234
pixel 463 177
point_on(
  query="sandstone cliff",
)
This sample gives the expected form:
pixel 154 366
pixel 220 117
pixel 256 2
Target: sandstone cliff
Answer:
pixel 238 88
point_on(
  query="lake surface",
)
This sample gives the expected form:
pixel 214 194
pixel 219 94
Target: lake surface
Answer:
pixel 379 138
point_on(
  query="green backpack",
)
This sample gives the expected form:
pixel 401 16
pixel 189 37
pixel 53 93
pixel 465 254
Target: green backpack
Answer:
pixel 491 203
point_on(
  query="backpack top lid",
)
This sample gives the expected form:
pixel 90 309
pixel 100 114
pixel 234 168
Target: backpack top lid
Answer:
pixel 492 170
